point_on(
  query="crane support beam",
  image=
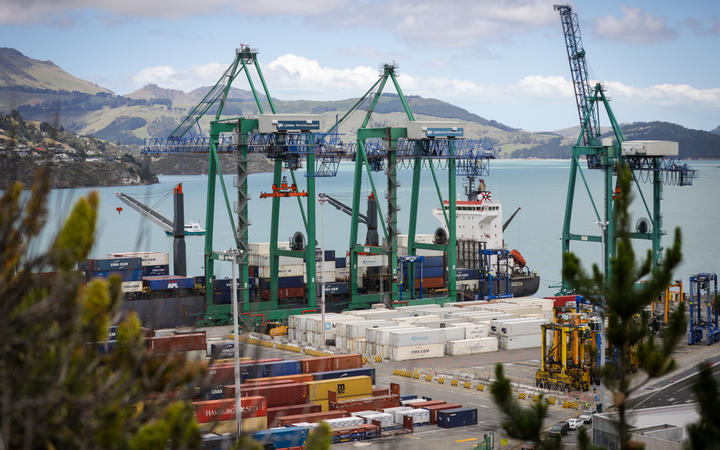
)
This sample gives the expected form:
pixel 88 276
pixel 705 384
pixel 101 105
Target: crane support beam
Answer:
pixel 157 218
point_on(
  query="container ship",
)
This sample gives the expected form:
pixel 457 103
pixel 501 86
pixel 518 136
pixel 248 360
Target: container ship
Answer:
pixel 485 270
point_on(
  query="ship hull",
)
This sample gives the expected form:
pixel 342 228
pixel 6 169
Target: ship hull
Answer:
pixel 520 286
pixel 167 312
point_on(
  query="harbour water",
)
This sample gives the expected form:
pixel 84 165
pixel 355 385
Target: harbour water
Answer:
pixel 537 186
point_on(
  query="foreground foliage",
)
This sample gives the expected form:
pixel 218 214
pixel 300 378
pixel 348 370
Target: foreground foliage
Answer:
pixel 57 390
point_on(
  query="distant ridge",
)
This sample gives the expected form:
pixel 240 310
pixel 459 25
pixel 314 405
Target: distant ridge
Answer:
pixel 17 70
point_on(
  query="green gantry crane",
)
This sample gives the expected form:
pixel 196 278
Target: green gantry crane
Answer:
pixel 647 160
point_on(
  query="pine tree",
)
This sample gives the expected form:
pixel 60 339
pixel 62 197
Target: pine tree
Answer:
pixel 57 390
pixel 624 300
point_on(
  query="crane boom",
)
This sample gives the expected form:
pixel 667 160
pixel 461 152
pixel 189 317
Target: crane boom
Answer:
pixel 160 220
pixel 342 207
pixel 579 73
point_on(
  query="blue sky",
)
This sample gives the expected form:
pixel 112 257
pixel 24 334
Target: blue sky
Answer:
pixel 504 60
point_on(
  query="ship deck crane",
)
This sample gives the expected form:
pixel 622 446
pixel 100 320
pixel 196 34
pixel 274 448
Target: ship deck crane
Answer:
pixel 176 228
pixel 647 160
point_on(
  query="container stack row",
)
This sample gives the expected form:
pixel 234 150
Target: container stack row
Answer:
pixel 428 331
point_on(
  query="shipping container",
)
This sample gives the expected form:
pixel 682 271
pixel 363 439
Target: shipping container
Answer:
pixel 280 395
pixel 435 409
pixel 426 272
pixel 310 417
pixel 317 364
pixel 249 425
pixel 334 374
pixel 417 352
pixel 176 343
pixel 296 292
pixel 290 410
pixel 164 283
pixel 466 274
pixel 458 417
pixel 150 271
pixel 111 264
pixel 147 258
pixel 287 437
pixel 374 403
pixel 225 373
pixel 472 346
pixel 378 391
pixel 518 342
pixel 299 378
pixel 290 270
pixel 125 275
pixel 281 368
pixel 218 410
pixel 340 263
pixel 348 361
pixel 283 282
pixel 345 387
pixel 131 286
pixel 334 288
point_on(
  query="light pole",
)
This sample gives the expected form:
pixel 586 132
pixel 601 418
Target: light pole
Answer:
pixel 603 238
pixel 322 201
pixel 232 255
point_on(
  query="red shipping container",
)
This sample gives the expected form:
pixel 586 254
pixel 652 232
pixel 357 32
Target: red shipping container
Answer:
pixel 365 403
pixel 312 417
pixel 176 343
pixel 292 410
pixel 350 361
pixel 317 364
pixel 229 389
pixel 430 283
pixel 282 395
pixel 380 391
pixel 299 378
pixel 224 409
pixel 435 408
pixel 427 403
pixel 296 292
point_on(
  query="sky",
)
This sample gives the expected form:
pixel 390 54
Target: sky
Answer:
pixel 501 59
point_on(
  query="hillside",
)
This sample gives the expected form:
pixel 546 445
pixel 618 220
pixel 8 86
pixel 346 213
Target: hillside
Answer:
pixel 153 111
pixel 716 130
pixel 694 144
pixel 19 70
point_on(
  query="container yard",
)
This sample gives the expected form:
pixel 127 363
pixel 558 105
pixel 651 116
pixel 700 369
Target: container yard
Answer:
pixel 427 331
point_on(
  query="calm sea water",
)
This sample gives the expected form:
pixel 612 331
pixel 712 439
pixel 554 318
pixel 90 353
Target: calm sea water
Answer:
pixel 538 187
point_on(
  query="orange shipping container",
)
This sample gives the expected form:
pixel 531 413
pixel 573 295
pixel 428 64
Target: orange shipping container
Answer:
pixel 318 364
pixel 350 361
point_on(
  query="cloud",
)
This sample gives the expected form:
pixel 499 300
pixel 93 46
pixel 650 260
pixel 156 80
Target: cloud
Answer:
pixel 294 77
pixel 634 27
pixel 702 29
pixel 185 80
pixel 426 23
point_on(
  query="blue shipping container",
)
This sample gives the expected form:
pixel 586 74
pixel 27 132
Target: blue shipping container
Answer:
pixel 164 283
pixel 368 372
pixel 112 264
pixel 283 437
pixel 335 288
pixel 466 274
pixel 222 349
pixel 458 417
pixel 126 275
pixel 213 393
pixel 283 282
pixel 150 271
pixel 329 255
pixel 340 263
pixel 434 261
pixel 280 368
pixel 408 397
pixel 427 272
